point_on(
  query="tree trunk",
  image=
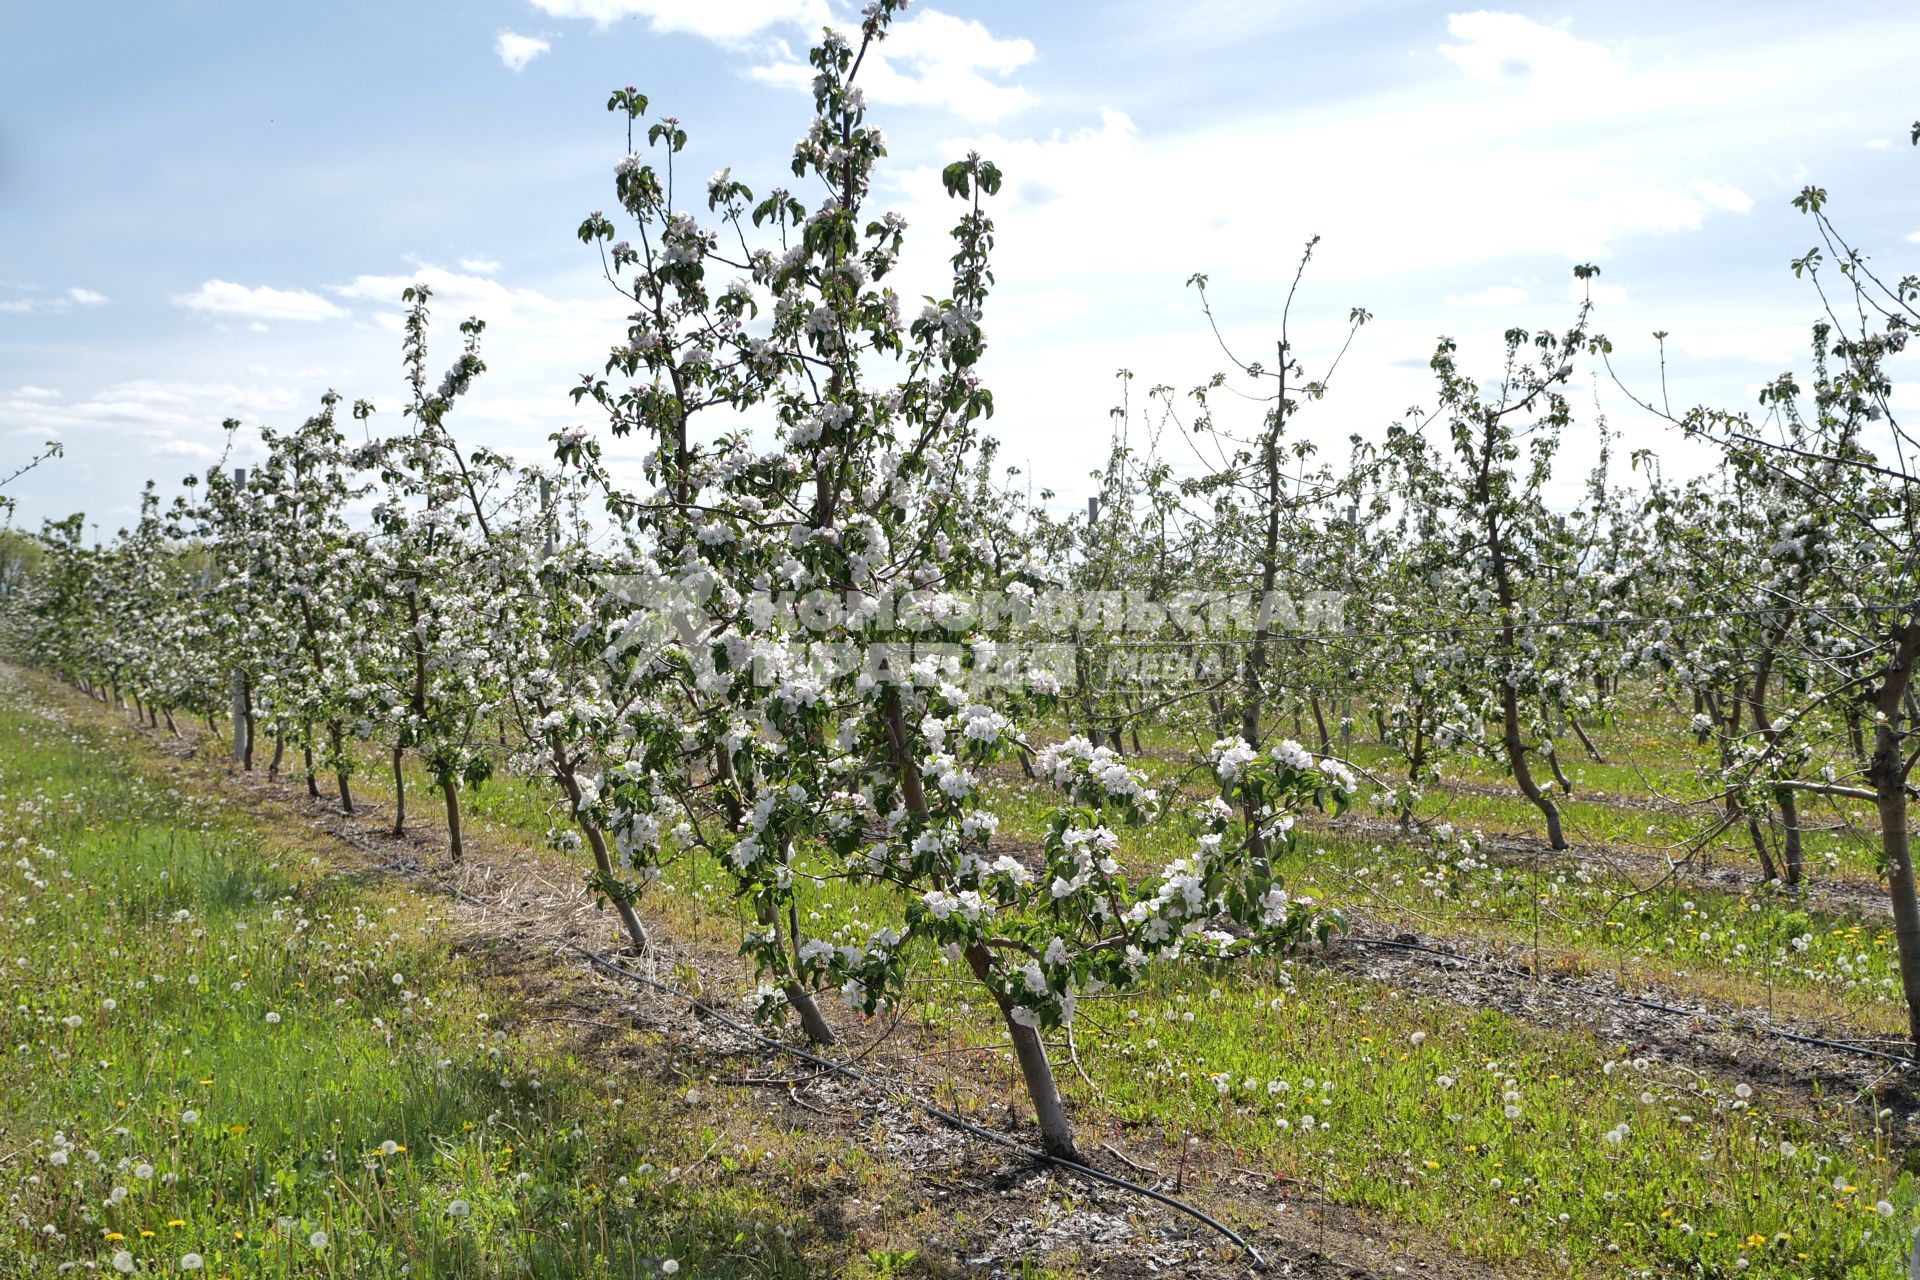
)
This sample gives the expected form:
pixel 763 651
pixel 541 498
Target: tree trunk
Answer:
pixel 1056 1131
pixel 1320 723
pixel 602 858
pixel 1585 741
pixel 597 841
pixel 399 792
pixel 1517 761
pixel 313 781
pixel 1760 849
pixel 279 751
pixel 455 848
pixel 1559 775
pixel 1509 696
pixel 338 739
pixel 1050 1114
pixel 811 1019
pixel 1783 800
pixel 172 728
pixel 1253 676
pixel 1896 841
pixel 1417 757
pixel 801 999
pixel 1790 852
pixel 246 710
pixel 1888 773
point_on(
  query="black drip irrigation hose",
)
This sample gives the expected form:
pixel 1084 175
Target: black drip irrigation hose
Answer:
pixel 1840 1046
pixel 945 1117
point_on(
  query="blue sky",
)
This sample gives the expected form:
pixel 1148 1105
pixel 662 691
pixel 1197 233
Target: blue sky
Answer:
pixel 209 209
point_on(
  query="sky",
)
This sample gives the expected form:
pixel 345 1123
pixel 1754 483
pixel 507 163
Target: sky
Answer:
pixel 209 210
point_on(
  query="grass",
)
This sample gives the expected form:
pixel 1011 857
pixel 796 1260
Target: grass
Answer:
pixel 215 1055
pixel 1317 1081
pixel 1496 1134
pixel 1343 1090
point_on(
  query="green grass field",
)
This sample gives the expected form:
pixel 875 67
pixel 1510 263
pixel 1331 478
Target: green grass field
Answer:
pixel 226 1053
pixel 220 1060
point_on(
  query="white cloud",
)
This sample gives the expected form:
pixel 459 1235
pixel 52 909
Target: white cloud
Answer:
pixel 145 427
pixel 224 298
pixel 1507 48
pixel 450 288
pixel 1913 237
pixel 32 392
pixel 933 60
pixel 729 20
pixel 516 51
pixel 480 266
pixel 1500 295
pixel 534 326
pixel 74 296
pixel 196 449
pixel 1721 195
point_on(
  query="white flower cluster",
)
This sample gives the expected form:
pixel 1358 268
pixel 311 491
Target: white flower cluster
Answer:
pixel 1096 776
